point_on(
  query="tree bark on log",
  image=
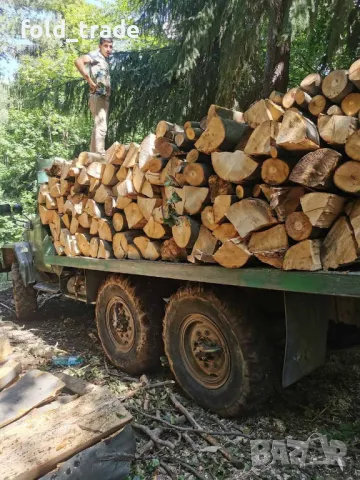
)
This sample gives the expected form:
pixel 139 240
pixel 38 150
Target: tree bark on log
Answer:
pixel 171 252
pixel 304 256
pixel 322 208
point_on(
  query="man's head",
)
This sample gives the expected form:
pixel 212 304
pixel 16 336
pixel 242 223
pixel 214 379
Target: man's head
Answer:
pixel 106 46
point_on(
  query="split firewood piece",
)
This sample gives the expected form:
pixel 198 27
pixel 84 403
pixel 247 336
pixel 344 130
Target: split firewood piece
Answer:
pixel 217 111
pixel 149 190
pixel 218 186
pixel 304 256
pixel 257 114
pixel 132 155
pixel 167 129
pixel 160 213
pixel 221 134
pixel 119 222
pixel 123 202
pixel 83 240
pixel 275 171
pixel 96 170
pixel 60 250
pixel 204 247
pixel 289 100
pixel 87 158
pixel 56 167
pixel 318 104
pixel 173 170
pixel 69 208
pixel 120 155
pixel 347 177
pixel 340 246
pixel 83 179
pixel 84 220
pixel 106 231
pixel 176 197
pixel 122 242
pixel 64 175
pixel 110 206
pixel 337 85
pixel 146 152
pixel 354 73
pixel 208 218
pixel 195 156
pixel 65 187
pixel 351 104
pixel 302 99
pixel 262 139
pixel 232 254
pixel 322 208
pixel 183 141
pixel 167 149
pixel 147 205
pixel 225 231
pixel 102 194
pixel 63 236
pixel 352 146
pixel 43 191
pixel 109 175
pixel 276 97
pixel 50 202
pixel 285 200
pixel 185 232
pixel 125 188
pixel 122 173
pixel 153 178
pixel 298 227
pixel 55 234
pixel 60 204
pixel 150 249
pixel 195 198
pixel 270 246
pixel 55 190
pixel 94 209
pixel 297 133
pixel 197 174
pixel 94 184
pixel 156 230
pixel 134 217
pixel 243 191
pixel 133 253
pixel 315 169
pixel 105 250
pixel 110 153
pixel 353 212
pixel 138 178
pixel 94 226
pixel 235 167
pixel 250 215
pixel 71 247
pixel 157 164
pixel 336 129
pixel 171 252
pixel 312 84
pixel 75 227
pixel 275 110
pixel 334 110
pixel 221 206
pixel 94 247
pixel 66 220
pixel 74 172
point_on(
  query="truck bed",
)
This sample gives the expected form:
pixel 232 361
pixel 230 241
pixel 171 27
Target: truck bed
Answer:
pixel 344 283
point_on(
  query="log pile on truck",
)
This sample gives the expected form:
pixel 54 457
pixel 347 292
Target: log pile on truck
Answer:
pixel 278 184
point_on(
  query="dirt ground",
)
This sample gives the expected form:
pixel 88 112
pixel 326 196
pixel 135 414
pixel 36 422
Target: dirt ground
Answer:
pixel 325 403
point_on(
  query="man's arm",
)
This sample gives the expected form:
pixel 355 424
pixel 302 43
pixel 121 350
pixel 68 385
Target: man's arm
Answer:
pixel 80 64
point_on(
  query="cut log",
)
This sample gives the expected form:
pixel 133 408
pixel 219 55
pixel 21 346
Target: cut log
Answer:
pixel 55 234
pixel 122 202
pixel 171 252
pixel 275 171
pixel 56 167
pixel 195 156
pixel 270 246
pixel 351 104
pixel 193 134
pixel 197 174
pixel 83 178
pixel 94 226
pixel 235 167
pixel 156 230
pixel 120 155
pixel 304 256
pixel 138 178
pixel 122 242
pixel 190 124
pixel 60 204
pixel 153 178
pixel 110 153
pixel 243 191
pixel 337 85
pixel 185 232
pixel 208 219
pixel 55 190
pixel 87 158
pixel 204 247
pixel 352 146
pixel 167 129
pixel 67 220
pixel 173 172
pixel 150 250
pixel 347 177
pixel 336 129
pixel 147 205
pixel 94 209
pixel 354 74
pixel 94 247
pixel 125 188
pixel 312 84
pixel 289 98
pixel 224 232
pixel 262 139
pixel 94 185
pixel 84 220
pixel 50 202
pixel 298 227
pixel 195 198
pixel 340 247
pixel 157 164
pixel 319 104
pixel 109 175
pixel 75 227
pixel 250 215
pixel 83 240
pixel 232 254
pixel 221 206
pixel 122 173
pixel 159 213
pixel 257 114
pixel 133 253
pixel 134 217
pixel 147 151
pixel 96 170
pixel 298 133
pixel 183 142
pixel 65 186
pixel 221 134
pixel 334 110
pixel 148 189
pixel 43 191
pixel 102 194
pixel 218 186
pixel 64 234
pixel 119 222
pixel 315 170
pixel 322 208
pixel 132 155
pixel 353 212
pixel 110 206
pixel 302 99
pixel 167 149
pixel 217 111
pixel 105 250
pixel 106 230
pixel 285 200
pixel 276 97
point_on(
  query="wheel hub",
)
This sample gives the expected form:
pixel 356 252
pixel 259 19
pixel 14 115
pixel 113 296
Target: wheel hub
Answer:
pixel 120 324
pixel 205 351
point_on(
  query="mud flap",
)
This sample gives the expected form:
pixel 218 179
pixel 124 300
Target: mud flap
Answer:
pixel 24 255
pixel 307 318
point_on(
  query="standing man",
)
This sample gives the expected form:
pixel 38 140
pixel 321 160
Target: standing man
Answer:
pixel 95 69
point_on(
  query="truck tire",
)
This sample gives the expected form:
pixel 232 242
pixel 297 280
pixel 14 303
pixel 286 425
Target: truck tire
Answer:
pixel 129 324
pixel 216 350
pixel 24 297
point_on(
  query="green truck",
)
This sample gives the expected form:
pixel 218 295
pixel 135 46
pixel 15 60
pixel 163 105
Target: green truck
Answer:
pixel 226 333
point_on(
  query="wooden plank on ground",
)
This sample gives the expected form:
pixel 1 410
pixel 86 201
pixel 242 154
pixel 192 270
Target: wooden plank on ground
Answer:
pixel 9 371
pixel 35 444
pixel 30 391
pixel 76 385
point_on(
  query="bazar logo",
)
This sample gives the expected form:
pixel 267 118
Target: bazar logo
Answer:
pixel 264 452
pixel 85 31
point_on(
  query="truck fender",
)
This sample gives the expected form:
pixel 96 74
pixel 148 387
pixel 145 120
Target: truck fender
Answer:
pixel 25 258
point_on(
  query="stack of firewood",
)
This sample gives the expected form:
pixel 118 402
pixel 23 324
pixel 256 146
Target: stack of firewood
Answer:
pixel 277 184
